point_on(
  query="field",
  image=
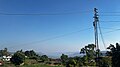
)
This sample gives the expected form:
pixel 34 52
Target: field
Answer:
pixel 32 65
pixel 39 65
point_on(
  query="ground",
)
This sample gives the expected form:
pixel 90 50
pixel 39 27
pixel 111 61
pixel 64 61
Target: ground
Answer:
pixel 29 63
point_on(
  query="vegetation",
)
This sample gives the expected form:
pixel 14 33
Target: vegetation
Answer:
pixel 18 58
pixel 31 59
pixel 115 53
pixel 39 65
pixel 64 59
pixel 44 58
pixel 31 54
pixel 4 52
pixel 89 59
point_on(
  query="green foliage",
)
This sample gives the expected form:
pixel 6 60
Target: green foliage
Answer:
pixel 115 53
pixel 31 65
pixel 18 58
pixel 64 58
pixel 4 52
pixel 105 61
pixel 71 62
pixel 89 58
pixel 44 58
pixel 39 65
pixel 31 54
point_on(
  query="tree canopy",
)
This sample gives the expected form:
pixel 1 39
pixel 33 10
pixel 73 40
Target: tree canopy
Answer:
pixel 64 58
pixel 18 58
pixel 115 53
pixel 4 52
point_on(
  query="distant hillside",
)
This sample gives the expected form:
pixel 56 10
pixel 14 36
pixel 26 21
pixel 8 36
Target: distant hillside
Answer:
pixel 40 53
pixel 103 53
pixel 58 54
pixel 76 54
pixel 70 54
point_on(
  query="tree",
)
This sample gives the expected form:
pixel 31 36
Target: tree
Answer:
pixel 18 58
pixel 105 61
pixel 44 58
pixel 71 62
pixel 115 53
pixel 90 56
pixel 4 52
pixel 64 58
pixel 30 53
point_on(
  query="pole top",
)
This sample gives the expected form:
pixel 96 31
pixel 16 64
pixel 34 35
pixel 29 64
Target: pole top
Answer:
pixel 95 10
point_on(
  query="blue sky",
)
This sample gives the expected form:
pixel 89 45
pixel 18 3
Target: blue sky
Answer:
pixel 28 31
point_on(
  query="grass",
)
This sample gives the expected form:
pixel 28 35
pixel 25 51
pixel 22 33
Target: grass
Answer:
pixel 39 65
pixel 29 63
pixel 34 63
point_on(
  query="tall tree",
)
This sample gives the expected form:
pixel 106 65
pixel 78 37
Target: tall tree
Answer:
pixel 64 58
pixel 30 53
pixel 18 58
pixel 44 58
pixel 4 52
pixel 115 53
pixel 71 62
pixel 90 56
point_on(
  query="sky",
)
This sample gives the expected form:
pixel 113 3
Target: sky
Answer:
pixel 50 26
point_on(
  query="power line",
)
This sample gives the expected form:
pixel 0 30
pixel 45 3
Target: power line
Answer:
pixel 109 28
pixel 109 12
pixel 109 21
pixel 65 13
pixel 103 41
pixel 52 38
pixel 60 36
pixel 56 13
pixel 109 15
pixel 113 29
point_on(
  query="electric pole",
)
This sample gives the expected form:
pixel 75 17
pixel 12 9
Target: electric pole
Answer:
pixel 95 23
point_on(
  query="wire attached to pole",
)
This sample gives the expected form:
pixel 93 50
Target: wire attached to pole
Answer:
pixel 103 41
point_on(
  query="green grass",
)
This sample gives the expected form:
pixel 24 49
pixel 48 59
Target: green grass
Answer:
pixel 34 63
pixel 31 65
pixel 39 65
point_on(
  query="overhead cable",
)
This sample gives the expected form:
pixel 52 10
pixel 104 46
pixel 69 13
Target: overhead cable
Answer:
pixel 103 41
pixel 65 13
pixel 52 38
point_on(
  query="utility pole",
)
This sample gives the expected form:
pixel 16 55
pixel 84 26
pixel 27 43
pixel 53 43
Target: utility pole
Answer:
pixel 95 23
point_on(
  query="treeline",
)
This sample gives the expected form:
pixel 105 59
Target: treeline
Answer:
pixel 88 59
pixel 20 56
pixel 112 57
